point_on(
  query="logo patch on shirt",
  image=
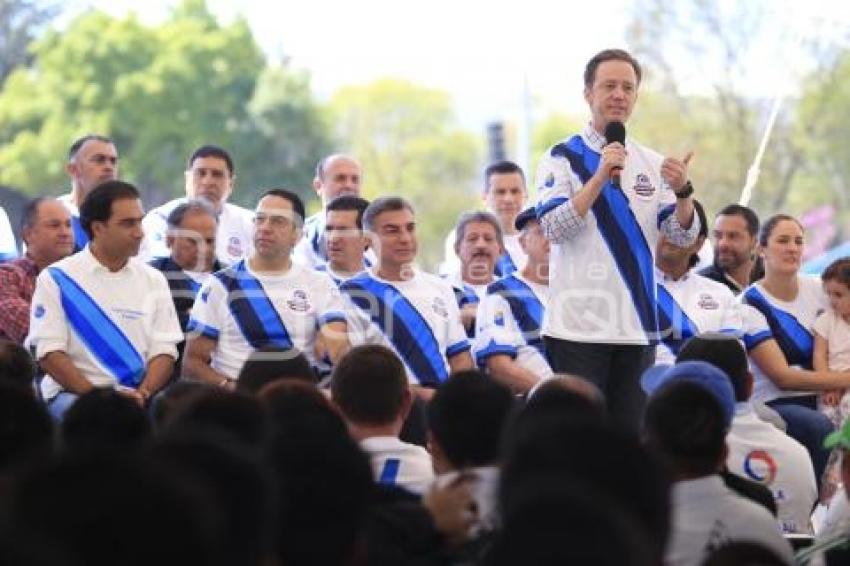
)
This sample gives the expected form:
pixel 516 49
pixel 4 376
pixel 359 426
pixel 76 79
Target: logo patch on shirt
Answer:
pixel 499 319
pixel 234 246
pixel 760 467
pixel 439 306
pixel 707 302
pixel 550 181
pixel 206 294
pixel 643 187
pixel 39 311
pixel 298 302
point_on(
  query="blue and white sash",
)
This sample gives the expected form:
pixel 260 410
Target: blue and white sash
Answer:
pixel 526 308
pixel 402 324
pixel 620 230
pixel 101 336
pixel 252 309
pixel 675 324
pixel 504 265
pixel 794 339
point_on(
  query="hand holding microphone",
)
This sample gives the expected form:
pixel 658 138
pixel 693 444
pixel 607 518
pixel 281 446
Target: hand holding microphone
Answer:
pixel 614 152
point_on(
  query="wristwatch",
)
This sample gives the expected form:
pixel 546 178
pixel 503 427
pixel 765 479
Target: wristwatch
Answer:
pixel 686 191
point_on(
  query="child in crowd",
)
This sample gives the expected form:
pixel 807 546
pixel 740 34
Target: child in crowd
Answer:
pixel 832 338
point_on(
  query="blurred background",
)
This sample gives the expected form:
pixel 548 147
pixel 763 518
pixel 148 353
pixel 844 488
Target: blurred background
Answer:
pixel 426 94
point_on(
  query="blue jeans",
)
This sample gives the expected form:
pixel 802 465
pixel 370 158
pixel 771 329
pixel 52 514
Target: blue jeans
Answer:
pixel 60 404
pixel 806 425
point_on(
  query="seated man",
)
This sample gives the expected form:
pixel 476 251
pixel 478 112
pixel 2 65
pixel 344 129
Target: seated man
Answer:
pixel 46 231
pixel 370 388
pixel 504 195
pixel 101 318
pixel 758 451
pixel 735 236
pixel 191 238
pixel 688 303
pixel 336 175
pixel 396 305
pixel 686 423
pixel 507 338
pixel 466 420
pixel 345 242
pixel 478 244
pixel 210 176
pixel 264 300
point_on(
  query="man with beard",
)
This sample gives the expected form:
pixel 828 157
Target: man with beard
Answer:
pixel 101 318
pixel 92 160
pixel 478 244
pixel 735 237
pixel 210 177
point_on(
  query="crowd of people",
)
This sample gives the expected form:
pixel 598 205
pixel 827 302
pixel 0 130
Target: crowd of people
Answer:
pixel 207 384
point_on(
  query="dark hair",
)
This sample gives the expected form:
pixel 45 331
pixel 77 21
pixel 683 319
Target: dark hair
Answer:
pixel 80 142
pixel 292 197
pixel 26 430
pixel 29 213
pixel 838 270
pixel 768 227
pixel 103 419
pixel 703 228
pixel 173 398
pixel 16 365
pixel 501 168
pixel 234 417
pixel 592 455
pixel 212 151
pixel 561 394
pixel 723 351
pixel 271 363
pixel 369 384
pixel 608 55
pixel 467 415
pixel 97 206
pixel 685 423
pixel 349 202
pixel 191 206
pixel 381 205
pixel 749 216
pixel 477 216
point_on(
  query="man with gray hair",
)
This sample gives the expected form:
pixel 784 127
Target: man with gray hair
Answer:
pixel 478 244
pixel 398 306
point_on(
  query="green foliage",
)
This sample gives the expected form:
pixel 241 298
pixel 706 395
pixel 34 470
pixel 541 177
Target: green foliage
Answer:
pixel 159 91
pixel 20 21
pixel 406 138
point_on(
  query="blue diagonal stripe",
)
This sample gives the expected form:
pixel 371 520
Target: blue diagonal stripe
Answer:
pixel 525 307
pixel 794 339
pixel 674 324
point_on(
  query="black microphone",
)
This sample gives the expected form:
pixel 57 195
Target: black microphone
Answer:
pixel 615 132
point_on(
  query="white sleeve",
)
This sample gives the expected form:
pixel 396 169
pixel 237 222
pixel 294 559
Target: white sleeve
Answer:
pixel 207 313
pixel 755 327
pixel 48 324
pixel 457 341
pixel 166 331
pixel 8 246
pixel 332 308
pixel 556 185
pixel 496 330
pixel 154 243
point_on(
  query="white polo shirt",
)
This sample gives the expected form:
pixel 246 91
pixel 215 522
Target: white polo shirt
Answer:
pixel 399 463
pixel 789 323
pixel 760 452
pixel 601 272
pixel 234 236
pixel 689 306
pixel 310 250
pixel 301 299
pixel 418 318
pixel 509 321
pixel 706 515
pixel 136 299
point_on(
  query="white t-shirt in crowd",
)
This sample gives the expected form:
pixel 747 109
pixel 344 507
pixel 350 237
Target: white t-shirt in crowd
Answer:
pixel 706 515
pixel 8 247
pixel 399 463
pixel 484 486
pixel 303 300
pixel 836 331
pixel 760 452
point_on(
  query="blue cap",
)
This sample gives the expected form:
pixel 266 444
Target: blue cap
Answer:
pixel 702 373
pixel 524 218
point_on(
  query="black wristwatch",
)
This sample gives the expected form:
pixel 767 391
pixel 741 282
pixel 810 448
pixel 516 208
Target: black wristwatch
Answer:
pixel 686 191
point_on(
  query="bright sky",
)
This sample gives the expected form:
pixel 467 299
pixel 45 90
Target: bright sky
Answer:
pixel 483 53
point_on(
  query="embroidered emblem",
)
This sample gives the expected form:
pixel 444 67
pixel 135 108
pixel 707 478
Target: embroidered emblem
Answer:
pixel 643 187
pixel 298 302
pixel 707 302
pixel 234 246
pixel 39 311
pixel 439 307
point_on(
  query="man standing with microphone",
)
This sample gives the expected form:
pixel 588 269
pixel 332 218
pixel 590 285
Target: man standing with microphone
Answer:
pixel 599 199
